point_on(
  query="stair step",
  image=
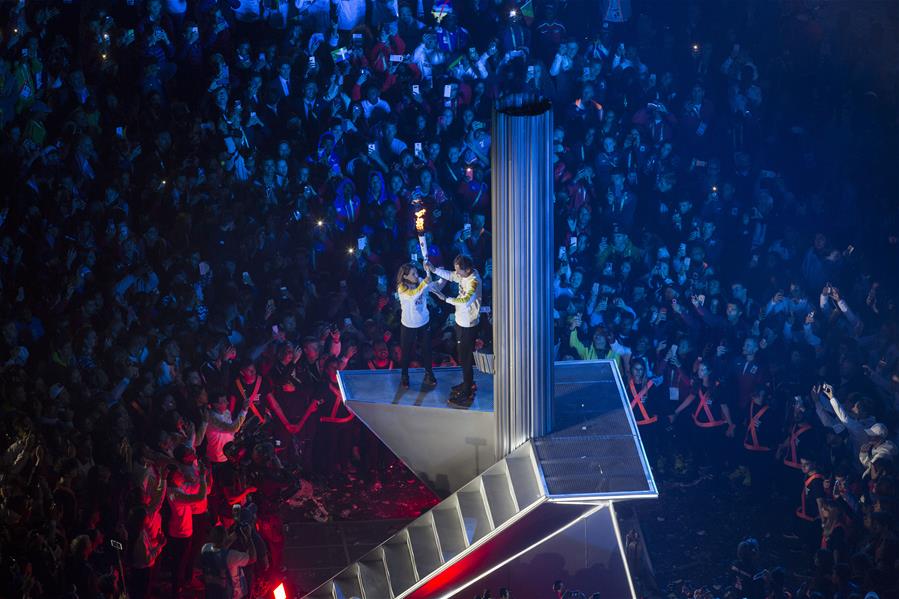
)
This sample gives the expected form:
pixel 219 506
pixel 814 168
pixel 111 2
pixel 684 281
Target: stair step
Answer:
pixel 450 528
pixel 523 473
pixel 591 457
pixel 400 563
pixel 425 545
pixel 347 583
pixel 475 513
pixel 325 591
pixel 373 572
pixel 498 488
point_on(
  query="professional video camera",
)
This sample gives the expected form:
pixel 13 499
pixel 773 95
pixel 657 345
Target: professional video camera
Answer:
pixel 251 434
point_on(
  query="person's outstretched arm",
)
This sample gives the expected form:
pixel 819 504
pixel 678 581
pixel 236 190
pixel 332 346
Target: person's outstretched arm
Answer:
pixel 441 272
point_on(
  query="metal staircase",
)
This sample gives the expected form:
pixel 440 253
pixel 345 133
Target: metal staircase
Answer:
pixel 591 458
pixel 451 530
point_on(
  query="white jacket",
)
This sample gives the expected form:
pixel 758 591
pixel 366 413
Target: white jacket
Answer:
pixel 414 305
pixel 886 449
pixel 468 302
pixel 856 428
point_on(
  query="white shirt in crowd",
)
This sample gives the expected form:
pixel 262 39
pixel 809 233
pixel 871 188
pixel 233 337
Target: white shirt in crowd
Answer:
pixel 562 62
pixel 176 7
pixel 313 7
pixel 219 433
pixel 468 302
pixel 350 14
pixel 181 519
pixel 368 107
pixel 396 146
pixel 315 14
pixel 855 427
pixel 426 60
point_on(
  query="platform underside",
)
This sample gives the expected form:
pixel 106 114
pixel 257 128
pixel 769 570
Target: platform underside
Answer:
pixel 445 446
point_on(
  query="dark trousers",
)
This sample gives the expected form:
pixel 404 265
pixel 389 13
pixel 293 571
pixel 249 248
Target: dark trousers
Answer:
pixel 218 503
pixel 709 446
pixel 139 582
pixel 465 337
pixel 179 556
pixel 408 336
pixel 202 524
pixel 271 528
pixel 761 465
pixel 809 533
pixel 334 445
pixel 373 455
pixel 649 436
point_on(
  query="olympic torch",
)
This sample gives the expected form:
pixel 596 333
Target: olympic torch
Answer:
pixel 420 214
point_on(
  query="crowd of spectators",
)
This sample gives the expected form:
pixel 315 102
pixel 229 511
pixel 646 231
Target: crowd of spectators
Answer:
pixel 712 246
pixel 207 201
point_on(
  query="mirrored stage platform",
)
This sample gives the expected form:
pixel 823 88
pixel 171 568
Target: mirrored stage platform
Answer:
pixel 444 445
pixel 383 387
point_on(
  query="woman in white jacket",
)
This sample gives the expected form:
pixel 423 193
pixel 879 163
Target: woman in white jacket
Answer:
pixel 415 320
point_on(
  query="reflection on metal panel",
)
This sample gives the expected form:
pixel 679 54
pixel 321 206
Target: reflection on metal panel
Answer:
pixel 591 465
pixel 587 555
pixel 444 446
pixel 594 449
pixel 522 271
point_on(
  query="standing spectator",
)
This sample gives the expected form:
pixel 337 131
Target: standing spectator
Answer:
pixel 808 513
pixel 427 56
pixel 182 496
pixel 146 547
pixel 350 14
pixel 222 427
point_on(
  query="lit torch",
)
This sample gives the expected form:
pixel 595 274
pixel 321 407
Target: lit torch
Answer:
pixel 420 229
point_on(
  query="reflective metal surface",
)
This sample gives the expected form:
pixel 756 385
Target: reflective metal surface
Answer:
pixel 444 446
pixel 522 217
pixel 594 450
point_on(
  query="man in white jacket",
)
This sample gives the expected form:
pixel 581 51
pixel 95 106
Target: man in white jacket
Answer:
pixel 855 420
pixel 468 312
pixel 877 447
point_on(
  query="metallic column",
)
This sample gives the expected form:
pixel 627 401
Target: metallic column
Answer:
pixel 522 270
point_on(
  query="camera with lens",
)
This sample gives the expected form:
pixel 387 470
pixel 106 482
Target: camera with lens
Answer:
pixel 252 435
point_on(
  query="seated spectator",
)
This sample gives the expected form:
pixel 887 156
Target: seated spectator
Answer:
pixel 223 572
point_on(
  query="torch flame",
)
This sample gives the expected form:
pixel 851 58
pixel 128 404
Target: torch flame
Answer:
pixel 420 220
